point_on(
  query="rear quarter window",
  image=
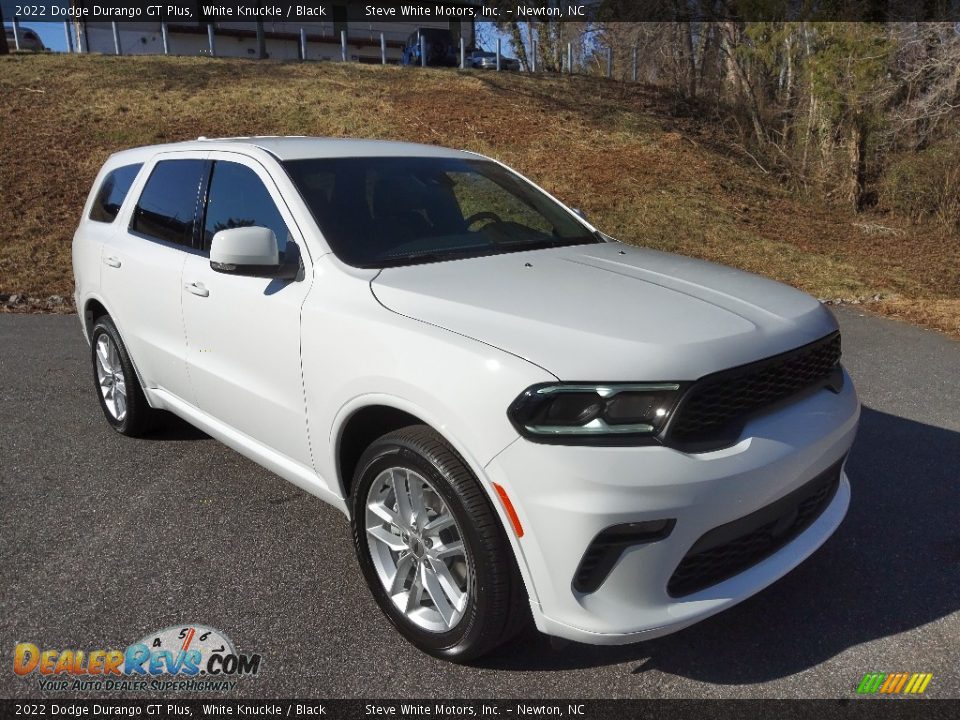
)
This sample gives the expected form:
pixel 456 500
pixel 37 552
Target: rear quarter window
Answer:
pixel 113 191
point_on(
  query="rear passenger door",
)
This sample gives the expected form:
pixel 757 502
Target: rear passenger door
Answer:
pixel 243 333
pixel 142 268
pixel 113 190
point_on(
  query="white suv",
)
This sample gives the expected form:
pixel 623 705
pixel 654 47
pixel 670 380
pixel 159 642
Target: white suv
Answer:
pixel 518 414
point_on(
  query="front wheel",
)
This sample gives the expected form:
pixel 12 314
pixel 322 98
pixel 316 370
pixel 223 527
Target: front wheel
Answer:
pixel 432 549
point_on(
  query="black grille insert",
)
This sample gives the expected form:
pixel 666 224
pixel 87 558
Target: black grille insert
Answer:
pixel 715 408
pixel 732 548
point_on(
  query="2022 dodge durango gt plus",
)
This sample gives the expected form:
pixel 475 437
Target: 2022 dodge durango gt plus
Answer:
pixel 519 415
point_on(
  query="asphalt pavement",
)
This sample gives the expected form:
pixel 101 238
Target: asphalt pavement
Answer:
pixel 104 539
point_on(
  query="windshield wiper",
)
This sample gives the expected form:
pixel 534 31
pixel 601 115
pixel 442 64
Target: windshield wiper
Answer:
pixel 411 259
pixel 429 256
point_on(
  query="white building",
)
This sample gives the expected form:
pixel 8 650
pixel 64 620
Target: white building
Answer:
pixel 282 40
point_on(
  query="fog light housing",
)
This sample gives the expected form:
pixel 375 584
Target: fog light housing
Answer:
pixel 607 547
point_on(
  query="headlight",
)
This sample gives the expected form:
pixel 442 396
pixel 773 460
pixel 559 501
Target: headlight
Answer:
pixel 579 412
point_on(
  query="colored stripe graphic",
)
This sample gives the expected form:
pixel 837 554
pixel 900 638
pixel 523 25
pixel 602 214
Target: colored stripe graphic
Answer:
pixel 871 683
pixel 894 683
pixel 891 680
pixel 901 681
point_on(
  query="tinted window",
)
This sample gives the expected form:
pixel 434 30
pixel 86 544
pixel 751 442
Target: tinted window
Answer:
pixel 377 212
pixel 112 193
pixel 168 204
pixel 238 198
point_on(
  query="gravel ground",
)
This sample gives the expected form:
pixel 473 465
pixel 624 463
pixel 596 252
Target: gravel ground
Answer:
pixel 105 539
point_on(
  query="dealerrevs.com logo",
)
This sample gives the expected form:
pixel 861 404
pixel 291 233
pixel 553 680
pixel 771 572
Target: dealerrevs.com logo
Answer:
pixel 188 657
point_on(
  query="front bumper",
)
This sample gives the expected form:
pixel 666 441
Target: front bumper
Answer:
pixel 566 495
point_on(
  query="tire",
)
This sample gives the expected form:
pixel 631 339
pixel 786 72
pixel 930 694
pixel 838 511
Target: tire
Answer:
pixel 494 608
pixel 127 412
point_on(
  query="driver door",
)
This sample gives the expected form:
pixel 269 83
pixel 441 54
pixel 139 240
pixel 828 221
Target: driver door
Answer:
pixel 243 333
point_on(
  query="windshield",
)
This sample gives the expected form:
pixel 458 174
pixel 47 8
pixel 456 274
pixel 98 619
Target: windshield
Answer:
pixel 386 211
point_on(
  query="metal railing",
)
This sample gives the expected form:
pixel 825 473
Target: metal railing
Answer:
pixel 321 41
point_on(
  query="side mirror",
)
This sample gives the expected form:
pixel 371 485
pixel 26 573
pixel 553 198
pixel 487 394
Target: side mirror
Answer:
pixel 250 251
pixel 579 212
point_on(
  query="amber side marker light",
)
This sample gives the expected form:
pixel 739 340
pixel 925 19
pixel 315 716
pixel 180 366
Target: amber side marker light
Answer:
pixel 508 508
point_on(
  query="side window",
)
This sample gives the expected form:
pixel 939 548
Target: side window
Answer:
pixel 168 204
pixel 238 198
pixel 113 192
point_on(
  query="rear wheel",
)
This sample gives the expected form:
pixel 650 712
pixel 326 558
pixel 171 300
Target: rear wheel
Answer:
pixel 118 389
pixel 432 549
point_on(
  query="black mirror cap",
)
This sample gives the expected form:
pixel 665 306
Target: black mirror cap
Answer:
pixel 283 271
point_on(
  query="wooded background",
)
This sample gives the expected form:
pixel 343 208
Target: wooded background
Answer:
pixel 856 112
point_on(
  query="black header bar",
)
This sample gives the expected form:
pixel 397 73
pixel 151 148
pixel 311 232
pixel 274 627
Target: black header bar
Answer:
pixel 576 709
pixel 479 10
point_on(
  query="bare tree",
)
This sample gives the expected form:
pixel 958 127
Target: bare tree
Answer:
pixel 823 105
pixel 550 40
pixel 927 68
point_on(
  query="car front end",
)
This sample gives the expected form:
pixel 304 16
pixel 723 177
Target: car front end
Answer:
pixel 484 62
pixel 683 445
pixel 630 541
pixel 489 62
pixel 687 455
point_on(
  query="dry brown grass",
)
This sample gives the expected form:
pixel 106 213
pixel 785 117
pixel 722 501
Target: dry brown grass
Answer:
pixel 614 150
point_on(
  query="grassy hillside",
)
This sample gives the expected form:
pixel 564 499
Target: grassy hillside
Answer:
pixel 619 152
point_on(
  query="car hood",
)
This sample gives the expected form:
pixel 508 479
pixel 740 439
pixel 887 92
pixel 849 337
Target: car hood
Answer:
pixel 609 312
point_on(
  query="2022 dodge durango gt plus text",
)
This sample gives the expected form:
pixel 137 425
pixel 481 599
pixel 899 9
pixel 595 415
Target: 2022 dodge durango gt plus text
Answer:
pixel 519 415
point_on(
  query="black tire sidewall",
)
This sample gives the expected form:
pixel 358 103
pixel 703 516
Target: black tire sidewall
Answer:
pixel 134 421
pixel 457 644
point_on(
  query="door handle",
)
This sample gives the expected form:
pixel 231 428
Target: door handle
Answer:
pixel 197 289
pixel 112 261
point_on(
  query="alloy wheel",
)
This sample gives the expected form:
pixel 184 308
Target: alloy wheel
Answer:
pixel 417 549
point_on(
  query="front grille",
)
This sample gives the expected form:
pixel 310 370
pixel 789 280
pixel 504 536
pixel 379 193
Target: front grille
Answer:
pixel 715 407
pixel 732 548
